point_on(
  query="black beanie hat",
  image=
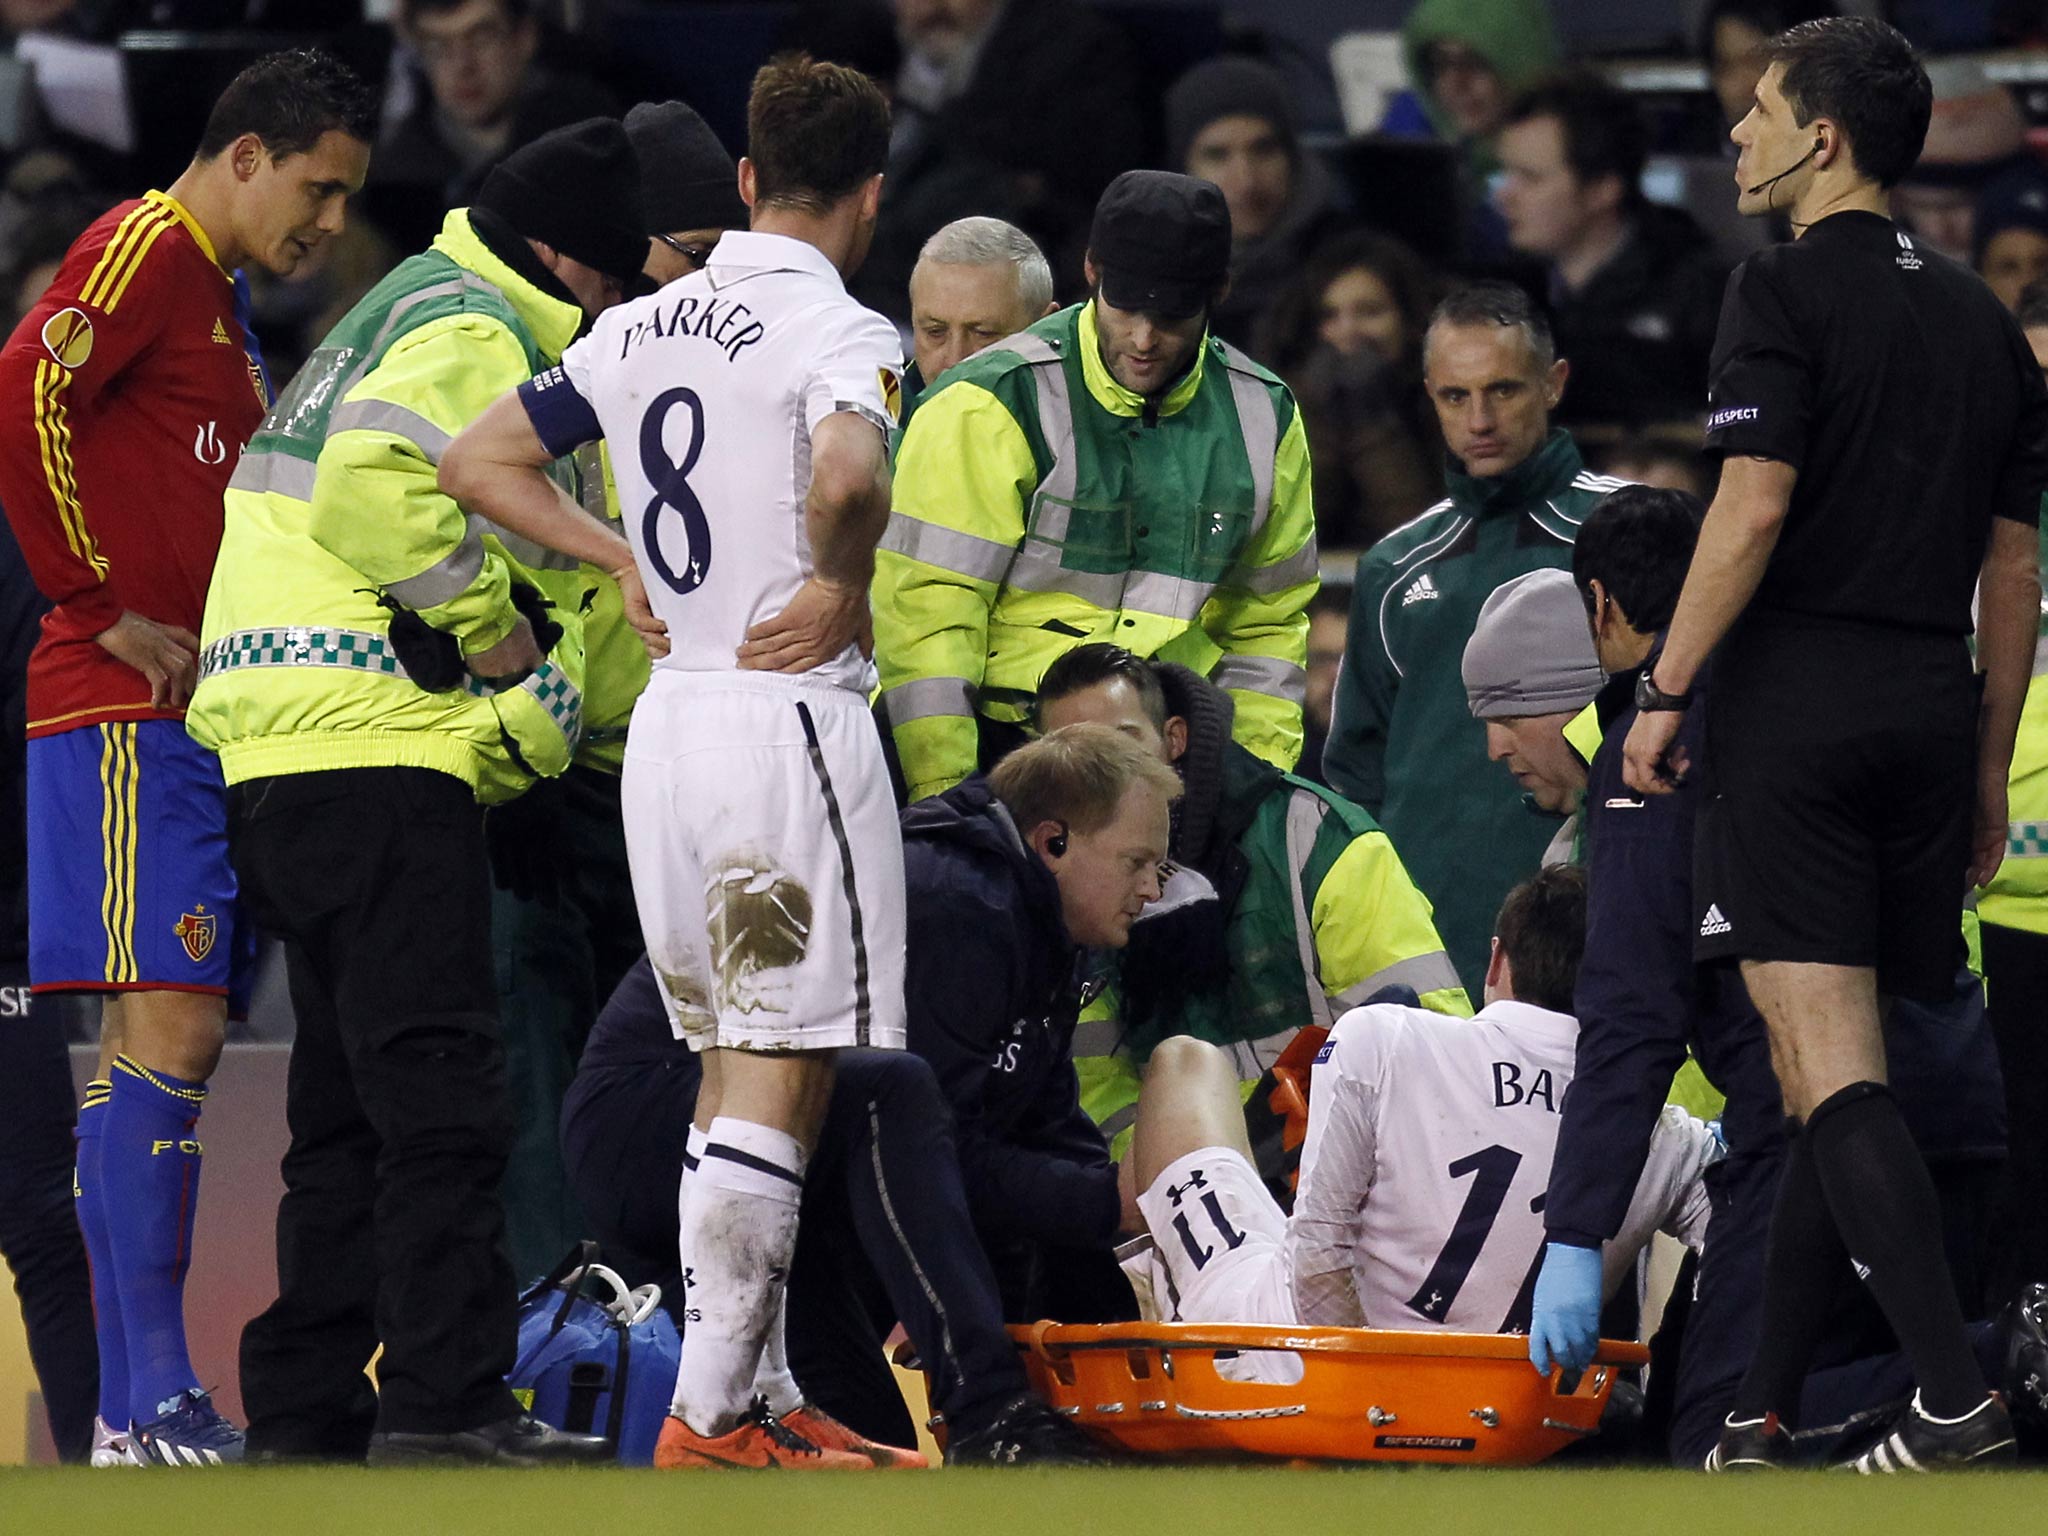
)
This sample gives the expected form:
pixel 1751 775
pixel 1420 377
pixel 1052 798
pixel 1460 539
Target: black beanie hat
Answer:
pixel 578 190
pixel 1226 87
pixel 687 178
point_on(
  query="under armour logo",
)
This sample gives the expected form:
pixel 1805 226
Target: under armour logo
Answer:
pixel 1174 1192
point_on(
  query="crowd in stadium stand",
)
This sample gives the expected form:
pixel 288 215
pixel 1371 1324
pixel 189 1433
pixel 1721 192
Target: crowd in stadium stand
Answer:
pixel 1546 204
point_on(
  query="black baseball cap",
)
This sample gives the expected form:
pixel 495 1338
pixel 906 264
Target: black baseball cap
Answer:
pixel 1161 243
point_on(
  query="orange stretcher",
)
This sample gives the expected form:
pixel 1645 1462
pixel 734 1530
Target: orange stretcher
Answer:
pixel 1365 1394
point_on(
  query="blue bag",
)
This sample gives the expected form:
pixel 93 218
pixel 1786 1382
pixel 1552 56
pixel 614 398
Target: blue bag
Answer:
pixel 597 1366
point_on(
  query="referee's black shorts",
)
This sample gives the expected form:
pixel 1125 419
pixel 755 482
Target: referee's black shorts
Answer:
pixel 1842 761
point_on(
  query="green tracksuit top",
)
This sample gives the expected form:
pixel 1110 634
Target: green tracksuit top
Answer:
pixel 1039 504
pixel 1403 742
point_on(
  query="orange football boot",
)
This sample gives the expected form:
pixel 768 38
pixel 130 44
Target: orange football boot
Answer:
pixel 827 1433
pixel 760 1440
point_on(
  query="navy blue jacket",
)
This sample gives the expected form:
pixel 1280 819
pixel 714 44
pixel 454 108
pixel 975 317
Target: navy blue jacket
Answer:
pixel 993 987
pixel 1640 999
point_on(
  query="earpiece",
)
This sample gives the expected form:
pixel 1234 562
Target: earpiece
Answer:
pixel 1056 845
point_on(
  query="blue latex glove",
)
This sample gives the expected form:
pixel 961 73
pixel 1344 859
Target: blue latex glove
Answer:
pixel 1564 1324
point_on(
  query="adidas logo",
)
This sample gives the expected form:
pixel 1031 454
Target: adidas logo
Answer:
pixel 1420 590
pixel 1714 924
pixel 220 332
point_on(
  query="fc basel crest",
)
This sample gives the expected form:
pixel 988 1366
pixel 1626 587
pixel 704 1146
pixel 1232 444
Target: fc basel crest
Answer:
pixel 195 931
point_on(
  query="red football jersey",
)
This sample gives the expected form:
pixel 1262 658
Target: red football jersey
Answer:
pixel 126 395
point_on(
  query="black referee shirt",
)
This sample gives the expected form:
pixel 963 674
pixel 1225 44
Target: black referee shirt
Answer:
pixel 1906 397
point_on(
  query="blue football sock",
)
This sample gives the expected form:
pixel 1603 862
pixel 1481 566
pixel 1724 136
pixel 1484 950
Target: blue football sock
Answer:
pixel 92 1222
pixel 149 1169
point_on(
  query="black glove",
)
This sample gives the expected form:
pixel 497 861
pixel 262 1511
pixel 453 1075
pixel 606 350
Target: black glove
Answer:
pixel 535 609
pixel 431 658
pixel 528 851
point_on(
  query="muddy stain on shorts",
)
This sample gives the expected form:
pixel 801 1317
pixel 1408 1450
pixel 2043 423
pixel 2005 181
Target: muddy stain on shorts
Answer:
pixel 760 921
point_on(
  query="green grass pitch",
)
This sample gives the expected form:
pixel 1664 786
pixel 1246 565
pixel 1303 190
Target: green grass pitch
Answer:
pixel 1165 1501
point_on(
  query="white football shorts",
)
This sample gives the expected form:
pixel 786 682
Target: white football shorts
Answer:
pixel 1221 1238
pixel 767 864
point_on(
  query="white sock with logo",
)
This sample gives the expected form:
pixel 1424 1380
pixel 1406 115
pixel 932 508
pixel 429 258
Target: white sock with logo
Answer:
pixel 773 1381
pixel 739 1219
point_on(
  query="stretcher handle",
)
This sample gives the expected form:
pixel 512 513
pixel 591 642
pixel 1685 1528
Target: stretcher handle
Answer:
pixel 1049 1338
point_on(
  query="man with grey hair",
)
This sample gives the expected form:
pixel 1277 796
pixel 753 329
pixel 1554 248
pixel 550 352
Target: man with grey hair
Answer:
pixel 976 281
pixel 1401 742
pixel 1530 670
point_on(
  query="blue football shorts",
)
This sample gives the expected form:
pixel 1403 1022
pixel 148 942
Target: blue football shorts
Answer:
pixel 129 884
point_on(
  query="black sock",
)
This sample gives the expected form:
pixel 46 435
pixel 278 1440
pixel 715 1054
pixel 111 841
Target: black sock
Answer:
pixel 1805 1269
pixel 1886 1211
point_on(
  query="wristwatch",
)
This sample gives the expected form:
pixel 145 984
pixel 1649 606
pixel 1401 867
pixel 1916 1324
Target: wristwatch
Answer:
pixel 1651 698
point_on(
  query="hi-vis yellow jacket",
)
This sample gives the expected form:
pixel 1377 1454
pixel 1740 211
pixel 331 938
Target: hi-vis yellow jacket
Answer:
pixel 335 507
pixel 1039 505
pixel 2017 896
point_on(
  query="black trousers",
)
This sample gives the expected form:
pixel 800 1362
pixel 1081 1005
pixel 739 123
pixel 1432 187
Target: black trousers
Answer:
pixel 1946 1080
pixel 38 1225
pixel 392 1229
pixel 884 1232
pixel 2016 994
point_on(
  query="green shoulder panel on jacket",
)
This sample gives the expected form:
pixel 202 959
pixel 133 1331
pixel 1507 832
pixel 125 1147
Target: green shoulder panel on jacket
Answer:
pixel 1373 927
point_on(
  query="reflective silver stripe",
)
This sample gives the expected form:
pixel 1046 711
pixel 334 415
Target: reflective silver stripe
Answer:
pixel 447 578
pixel 964 554
pixel 927 697
pixel 1265 580
pixel 1252 1059
pixel 1258 420
pixel 2041 656
pixel 1262 674
pixel 398 420
pixel 1175 596
pixel 535 557
pixel 1428 973
pixel 461 283
pixel 589 461
pixel 1037 568
pixel 284 473
pixel 1096 1037
pixel 1305 813
pixel 1054 499
pixel 1033 349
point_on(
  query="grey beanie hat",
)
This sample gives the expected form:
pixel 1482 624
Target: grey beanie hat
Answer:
pixel 1531 653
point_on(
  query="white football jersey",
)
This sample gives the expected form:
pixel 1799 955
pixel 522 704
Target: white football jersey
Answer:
pixel 707 393
pixel 1428 1153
